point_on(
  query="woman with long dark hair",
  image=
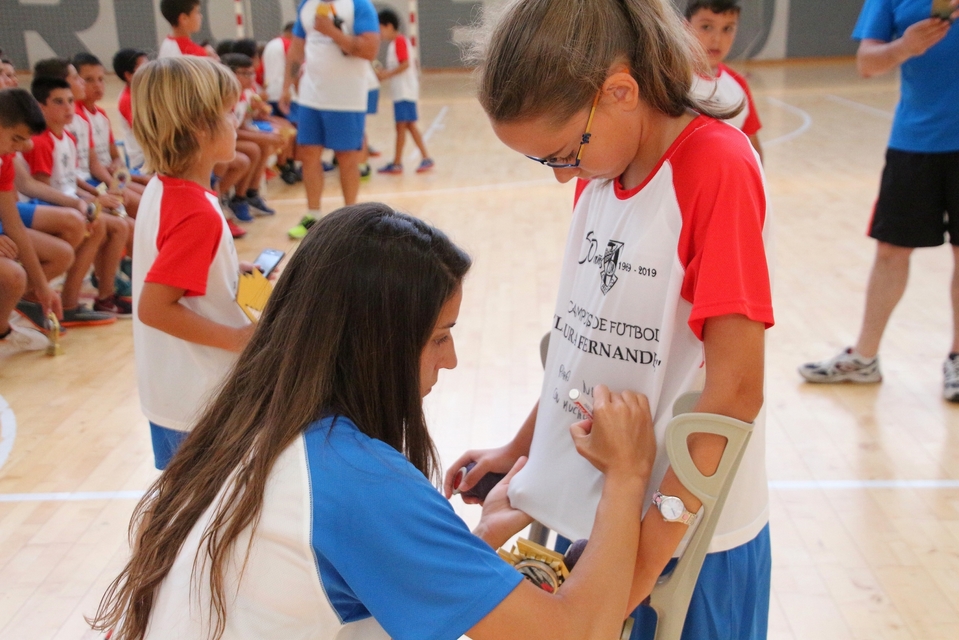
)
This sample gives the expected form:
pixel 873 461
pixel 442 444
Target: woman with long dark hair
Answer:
pixel 300 506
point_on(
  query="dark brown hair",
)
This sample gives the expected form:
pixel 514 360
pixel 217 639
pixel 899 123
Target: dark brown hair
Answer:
pixel 342 334
pixel 550 57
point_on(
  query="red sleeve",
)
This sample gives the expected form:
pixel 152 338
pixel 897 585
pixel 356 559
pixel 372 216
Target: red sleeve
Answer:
pixel 40 157
pixel 190 48
pixel 752 125
pixel 125 106
pixel 6 172
pixel 721 194
pixel 187 241
pixel 402 51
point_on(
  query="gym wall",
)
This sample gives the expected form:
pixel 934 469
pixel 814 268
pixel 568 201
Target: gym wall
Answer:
pixel 31 30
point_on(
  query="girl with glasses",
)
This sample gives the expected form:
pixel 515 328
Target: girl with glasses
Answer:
pixel 664 288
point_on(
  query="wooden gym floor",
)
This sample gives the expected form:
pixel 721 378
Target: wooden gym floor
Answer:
pixel 864 480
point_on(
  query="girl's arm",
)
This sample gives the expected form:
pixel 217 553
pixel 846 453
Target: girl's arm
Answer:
pixel 592 601
pixel 159 307
pixel 498 460
pixel 735 355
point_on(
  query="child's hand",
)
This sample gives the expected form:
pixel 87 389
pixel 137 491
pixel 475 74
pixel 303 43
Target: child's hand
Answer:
pixel 382 74
pixel 110 202
pixel 325 25
pixel 8 248
pixel 500 521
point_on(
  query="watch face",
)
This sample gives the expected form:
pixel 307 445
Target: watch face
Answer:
pixel 672 508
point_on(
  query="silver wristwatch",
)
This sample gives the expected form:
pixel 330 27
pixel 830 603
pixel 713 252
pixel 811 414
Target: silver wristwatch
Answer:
pixel 673 509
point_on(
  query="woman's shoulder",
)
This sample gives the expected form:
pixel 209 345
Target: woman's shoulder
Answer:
pixel 335 444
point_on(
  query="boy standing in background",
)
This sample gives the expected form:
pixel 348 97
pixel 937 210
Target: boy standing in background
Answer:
pixel 714 24
pixel 405 88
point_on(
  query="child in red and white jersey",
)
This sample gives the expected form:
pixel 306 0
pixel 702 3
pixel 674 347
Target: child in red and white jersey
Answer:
pixel 185 18
pixel 53 160
pixel 714 23
pixel 187 327
pixel 664 289
pixel 125 64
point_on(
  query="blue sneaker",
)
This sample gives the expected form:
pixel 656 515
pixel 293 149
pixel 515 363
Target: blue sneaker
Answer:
pixel 241 209
pixel 126 266
pixel 122 285
pixel 259 205
pixel 328 166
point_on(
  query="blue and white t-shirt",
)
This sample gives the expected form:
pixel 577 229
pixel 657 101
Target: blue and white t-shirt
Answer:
pixel 353 543
pixel 927 119
pixel 332 81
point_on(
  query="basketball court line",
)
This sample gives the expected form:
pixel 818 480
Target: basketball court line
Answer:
pixel 8 430
pixel 803 128
pixel 859 106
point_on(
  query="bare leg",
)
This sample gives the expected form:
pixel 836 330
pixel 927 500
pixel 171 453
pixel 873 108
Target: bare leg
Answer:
pixel 349 174
pixel 887 283
pixel 252 151
pixel 83 258
pixel 231 172
pixel 55 255
pixel 63 222
pixel 13 282
pixel 108 258
pixel 418 139
pixel 311 155
pixel 955 300
pixel 400 142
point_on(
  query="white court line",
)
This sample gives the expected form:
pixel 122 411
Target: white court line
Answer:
pixel 430 192
pixel 71 496
pixel 435 126
pixel 781 485
pixel 804 485
pixel 860 106
pixel 803 128
pixel 8 430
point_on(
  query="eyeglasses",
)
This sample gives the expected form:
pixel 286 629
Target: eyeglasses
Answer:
pixel 563 163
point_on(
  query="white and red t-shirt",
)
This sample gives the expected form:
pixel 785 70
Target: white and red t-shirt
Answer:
pixel 172 47
pixel 7 173
pixel 55 157
pixel 181 240
pixel 332 81
pixel 130 144
pixel 643 269
pixel 404 86
pixel 729 89
pixel 82 134
pixel 274 67
pixel 101 130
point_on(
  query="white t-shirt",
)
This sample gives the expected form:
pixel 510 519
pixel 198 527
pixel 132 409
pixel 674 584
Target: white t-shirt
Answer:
pixel 729 89
pixel 57 158
pixel 102 132
pixel 274 68
pixel 353 543
pixel 332 81
pixel 643 269
pixel 181 240
pixel 83 134
pixel 404 86
pixel 173 47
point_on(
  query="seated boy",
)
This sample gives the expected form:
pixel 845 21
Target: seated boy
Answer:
pixel 185 18
pixel 405 88
pixel 25 269
pixel 125 64
pixel 54 161
pixel 93 73
pixel 714 23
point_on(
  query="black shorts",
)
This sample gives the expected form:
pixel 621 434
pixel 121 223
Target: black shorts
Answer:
pixel 918 200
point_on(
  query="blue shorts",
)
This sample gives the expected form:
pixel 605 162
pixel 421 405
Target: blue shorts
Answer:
pixel 26 210
pixel 731 598
pixel 263 125
pixel 165 444
pixel 404 111
pixel 291 116
pixel 336 130
pixel 93 182
pixel 372 101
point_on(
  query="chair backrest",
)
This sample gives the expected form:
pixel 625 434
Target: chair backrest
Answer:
pixel 672 593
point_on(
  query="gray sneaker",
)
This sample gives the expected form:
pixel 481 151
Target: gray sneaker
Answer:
pixel 845 367
pixel 950 374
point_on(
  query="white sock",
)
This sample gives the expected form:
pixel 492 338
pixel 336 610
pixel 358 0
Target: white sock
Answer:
pixel 314 213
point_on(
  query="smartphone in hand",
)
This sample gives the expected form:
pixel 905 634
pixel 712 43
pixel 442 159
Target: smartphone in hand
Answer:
pixel 942 9
pixel 268 260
